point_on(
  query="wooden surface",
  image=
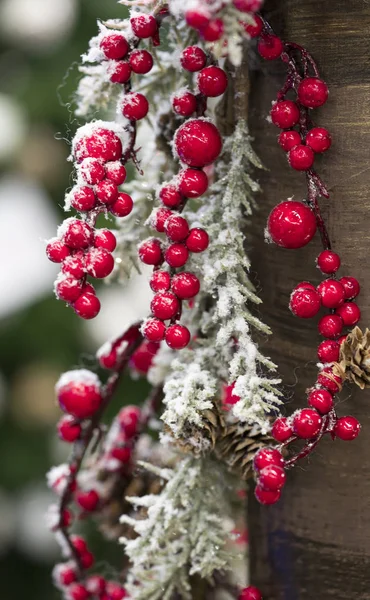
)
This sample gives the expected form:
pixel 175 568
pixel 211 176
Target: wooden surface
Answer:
pixel 315 544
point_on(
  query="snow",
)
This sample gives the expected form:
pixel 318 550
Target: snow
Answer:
pixel 77 377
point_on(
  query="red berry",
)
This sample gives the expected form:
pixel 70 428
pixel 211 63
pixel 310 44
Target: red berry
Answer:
pixel 159 218
pixel 197 240
pixel 78 234
pixel 104 238
pixel 305 303
pixel 129 416
pixel 154 330
pixel 176 228
pixel 104 144
pixel 144 26
pixel 305 285
pixel 250 593
pixel 272 478
pixel 212 81
pixel 142 359
pixel 87 560
pixel 193 59
pixel 177 336
pixel 267 456
pixel 176 255
pixel 255 29
pixel 99 263
pixel 64 574
pixel 68 429
pixel 265 496
pixel 228 395
pixel 160 281
pixel 184 103
pixel 150 252
pixel 291 224
pixel 92 171
pixel 247 6
pixel 289 139
pixel 141 61
pixel 347 428
pixel 185 285
pixel 77 591
pixel 330 326
pixel 198 19
pixel 75 265
pixel 301 158
pixel 106 191
pixel 192 183
pixel 95 584
pixel 312 92
pixel 56 251
pixel 122 206
pixel 351 287
pixel 119 71
pixel 321 400
pixel 285 114
pixel 198 143
pixel 213 31
pixel 281 430
pixel 318 139
pixel 328 262
pixel 349 313
pixel 88 500
pixel 68 288
pixel 122 454
pixel 331 293
pixel 329 380
pixel 87 306
pixel 270 47
pixel 307 423
pixel 115 591
pixel 114 46
pixel 165 305
pixel 328 351
pixel 79 393
pixel 170 196
pixel 79 544
pixel 134 106
pixel 116 172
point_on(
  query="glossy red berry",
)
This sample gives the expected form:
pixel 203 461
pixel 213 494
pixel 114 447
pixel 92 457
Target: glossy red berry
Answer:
pixel 285 114
pixel 197 240
pixel 267 456
pixel 160 281
pixel 213 31
pixel 289 139
pixel 78 234
pixel 144 26
pixel 291 224
pixel 75 265
pixel 114 46
pixel 134 106
pixel 312 92
pixel 116 172
pixel 265 496
pixel 301 158
pixel 176 255
pixel 351 287
pixel 330 326
pixel 197 18
pixel 305 303
pixel 328 262
pixel 68 429
pixel 165 305
pixel 272 478
pixel 87 306
pixel 104 238
pixel 177 336
pixel 141 61
pixel 159 218
pixel 170 196
pixel 192 183
pixel 198 143
pixel 104 144
pixel 250 593
pixel 106 191
pixel 57 251
pixel 328 351
pixel 88 500
pixel 79 393
pixel 270 47
pixel 150 252
pixel 92 170
pixel 248 6
pixel 184 103
pixel 68 288
pixel 321 400
pixel 129 417
pixel 193 59
pixel 99 263
pixel 122 206
pixel 307 423
pixel 212 81
pixel 154 330
pixel 305 285
pixel 350 314
pixel 319 139
pixel 331 293
pixel 176 228
pixel 77 591
pixel 282 429
pixel 185 285
pixel 347 428
pixel 119 71
pixel 329 380
pixel 254 29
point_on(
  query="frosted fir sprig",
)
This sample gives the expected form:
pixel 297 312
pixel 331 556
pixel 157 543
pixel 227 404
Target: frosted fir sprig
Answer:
pixel 184 533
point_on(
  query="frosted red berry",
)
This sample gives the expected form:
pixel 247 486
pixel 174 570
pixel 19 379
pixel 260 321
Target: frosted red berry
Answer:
pixel 160 281
pixel 198 143
pixel 176 255
pixel 79 393
pixel 78 234
pixel 104 238
pixel 328 351
pixel 65 574
pixel 254 29
pixel 193 59
pixel 351 287
pixel 176 228
pixel 212 81
pixel 106 191
pixel 170 196
pixel 270 47
pixel 331 293
pixel 122 454
pixel 197 18
pixel 122 206
pixel 159 218
pixel 77 591
pixel 115 591
pixel 350 313
pixel 321 400
pixel 142 358
pixel 57 251
pixel 68 288
pixel 307 423
pixel 75 265
pixel 88 500
pixel 92 170
pixel 68 429
pixel 329 380
pixel 165 305
pixel 192 183
pixel 144 26
pixel 291 224
pixel 301 158
pixel 116 172
pixel 114 46
pixel 141 61
pixel 213 31
pixel 150 252
pixel 154 330
pixel 197 240
pixel 104 144
pixel 250 593
pixel 312 92
pixel 87 306
pixel 305 285
pixel 285 114
pixel 330 326
pixel 272 478
pixel 289 139
pixel 347 428
pixel 185 285
pixel 99 262
pixel 177 336
pixel 328 262
pixel 267 456
pixel 266 496
pixel 134 106
pixel 184 104
pixel 119 71
pixel 95 584
pixel 319 139
pixel 305 303
pixel 282 430
pixel 129 417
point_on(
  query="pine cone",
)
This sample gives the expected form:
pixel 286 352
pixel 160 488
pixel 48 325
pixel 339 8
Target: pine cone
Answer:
pixel 354 358
pixel 200 439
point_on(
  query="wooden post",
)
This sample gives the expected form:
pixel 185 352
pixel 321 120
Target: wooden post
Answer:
pixel 315 544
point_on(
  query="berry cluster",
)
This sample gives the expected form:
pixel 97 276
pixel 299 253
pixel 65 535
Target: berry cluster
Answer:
pixel 197 143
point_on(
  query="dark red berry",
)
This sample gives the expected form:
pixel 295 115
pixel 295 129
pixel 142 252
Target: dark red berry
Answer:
pixel 122 206
pixel 150 252
pixel 197 240
pixel 184 103
pixel 198 143
pixel 312 92
pixel 177 336
pixel 193 59
pixel 176 255
pixel 57 251
pixel 160 281
pixel 282 429
pixel 141 61
pixel 134 106
pixel 212 81
pixel 144 26
pixel 318 139
pixel 114 46
pixel 154 330
pixel 330 326
pixel 87 306
pixel 301 158
pixel 289 139
pixel 351 287
pixel 185 285
pixel 321 400
pixel 270 47
pixel 328 262
pixel 307 423
pixel 291 224
pixel 347 428
pixel 285 114
pixel 104 238
pixel 165 305
pixel 350 314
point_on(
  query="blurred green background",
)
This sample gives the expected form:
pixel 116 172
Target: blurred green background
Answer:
pixel 41 41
